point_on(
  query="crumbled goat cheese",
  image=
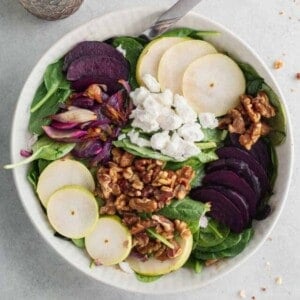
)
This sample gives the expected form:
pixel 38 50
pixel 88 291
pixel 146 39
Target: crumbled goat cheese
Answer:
pixel 144 120
pixel 208 120
pixel 136 139
pixel 150 104
pixel 168 120
pixel 139 95
pixel 121 50
pixel 278 280
pixel 121 136
pixel 183 110
pixel 191 132
pixel 159 140
pixel 165 98
pixel 242 294
pixel 124 266
pixel 203 222
pixel 151 83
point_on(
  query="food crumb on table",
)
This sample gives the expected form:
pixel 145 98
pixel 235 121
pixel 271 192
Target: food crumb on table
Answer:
pixel 242 294
pixel 278 64
pixel 281 13
pixel 263 289
pixel 278 280
pixel 253 297
pixel 298 75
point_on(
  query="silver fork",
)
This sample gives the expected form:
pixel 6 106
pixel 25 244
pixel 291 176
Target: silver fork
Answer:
pixel 169 18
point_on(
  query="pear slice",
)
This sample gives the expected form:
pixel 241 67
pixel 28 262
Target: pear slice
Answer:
pixel 154 267
pixel 72 211
pixel 213 83
pixel 110 242
pixel 60 173
pixel 150 56
pixel 175 60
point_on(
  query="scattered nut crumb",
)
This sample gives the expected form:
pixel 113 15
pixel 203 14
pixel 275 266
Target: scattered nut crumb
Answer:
pixel 269 238
pixel 278 280
pixel 253 298
pixel 290 18
pixel 298 76
pixel 263 289
pixel 292 90
pixel 242 294
pixel 280 13
pixel 278 64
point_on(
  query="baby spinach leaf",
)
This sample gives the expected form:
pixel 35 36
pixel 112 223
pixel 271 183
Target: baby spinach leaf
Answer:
pixel 79 243
pixel 45 148
pixel 42 164
pixel 199 174
pixel 194 264
pixel 277 123
pixel 188 32
pixel 147 278
pixel 53 77
pixel 186 210
pixel 33 174
pixel 207 156
pixel 214 234
pixel 228 252
pixel 159 237
pixel 40 118
pixel 133 50
pixel 214 135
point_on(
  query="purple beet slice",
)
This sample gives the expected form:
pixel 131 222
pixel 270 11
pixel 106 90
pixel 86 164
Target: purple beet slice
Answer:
pixel 233 181
pixel 259 150
pixel 91 48
pixel 239 167
pixel 240 154
pixel 222 209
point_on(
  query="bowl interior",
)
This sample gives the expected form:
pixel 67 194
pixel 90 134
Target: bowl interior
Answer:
pixel 132 22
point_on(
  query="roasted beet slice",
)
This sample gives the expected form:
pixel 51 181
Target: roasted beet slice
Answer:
pixel 259 150
pixel 222 209
pixel 237 199
pixel 91 48
pixel 239 167
pixel 240 154
pixel 233 181
pixel 97 69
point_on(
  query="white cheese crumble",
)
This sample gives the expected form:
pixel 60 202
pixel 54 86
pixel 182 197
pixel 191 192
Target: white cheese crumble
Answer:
pixel 203 222
pixel 121 50
pixel 173 123
pixel 151 83
pixel 208 120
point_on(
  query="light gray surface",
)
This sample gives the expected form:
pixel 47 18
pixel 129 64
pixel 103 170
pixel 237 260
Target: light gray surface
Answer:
pixel 29 269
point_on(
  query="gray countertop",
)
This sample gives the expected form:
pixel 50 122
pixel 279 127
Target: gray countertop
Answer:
pixel 31 270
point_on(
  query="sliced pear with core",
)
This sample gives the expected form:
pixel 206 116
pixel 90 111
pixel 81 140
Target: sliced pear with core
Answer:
pixel 213 83
pixel 60 173
pixel 151 55
pixel 72 211
pixel 110 242
pixel 175 60
pixel 154 267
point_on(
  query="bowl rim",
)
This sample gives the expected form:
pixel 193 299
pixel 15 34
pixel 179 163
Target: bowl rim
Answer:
pixel 289 137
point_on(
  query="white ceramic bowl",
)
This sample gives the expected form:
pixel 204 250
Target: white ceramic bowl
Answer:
pixel 132 22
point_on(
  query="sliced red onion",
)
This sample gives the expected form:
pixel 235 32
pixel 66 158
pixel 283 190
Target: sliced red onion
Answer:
pixel 75 115
pixel 69 135
pixel 63 126
pixel 25 153
pixel 125 85
pixel 83 102
pixel 88 148
pixel 103 156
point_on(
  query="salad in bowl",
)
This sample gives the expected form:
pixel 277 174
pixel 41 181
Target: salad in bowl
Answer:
pixel 154 156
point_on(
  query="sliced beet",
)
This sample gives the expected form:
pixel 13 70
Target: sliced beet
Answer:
pixel 240 154
pixel 259 150
pixel 233 181
pixel 97 66
pixel 91 48
pixel 239 167
pixel 222 209
pixel 237 199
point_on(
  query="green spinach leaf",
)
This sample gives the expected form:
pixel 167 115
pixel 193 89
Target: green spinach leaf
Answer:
pixel 79 243
pixel 39 117
pixel 53 78
pixel 214 135
pixel 188 32
pixel 194 264
pixel 45 148
pixel 133 49
pixel 186 210
pixel 33 174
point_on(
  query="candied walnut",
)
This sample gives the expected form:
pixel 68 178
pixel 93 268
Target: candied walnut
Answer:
pixel 121 203
pixel 251 136
pixel 182 228
pixel 108 209
pixel 237 124
pixel 176 251
pixel 141 164
pixel 116 155
pixel 150 248
pixel 116 116
pixel 130 219
pixel 247 103
pixel 180 191
pixel 262 105
pixel 143 204
pixel 278 64
pixel 126 160
pixel 104 180
pixel 167 225
pixel 128 173
pixel 141 239
pixel 265 128
pixel 137 184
